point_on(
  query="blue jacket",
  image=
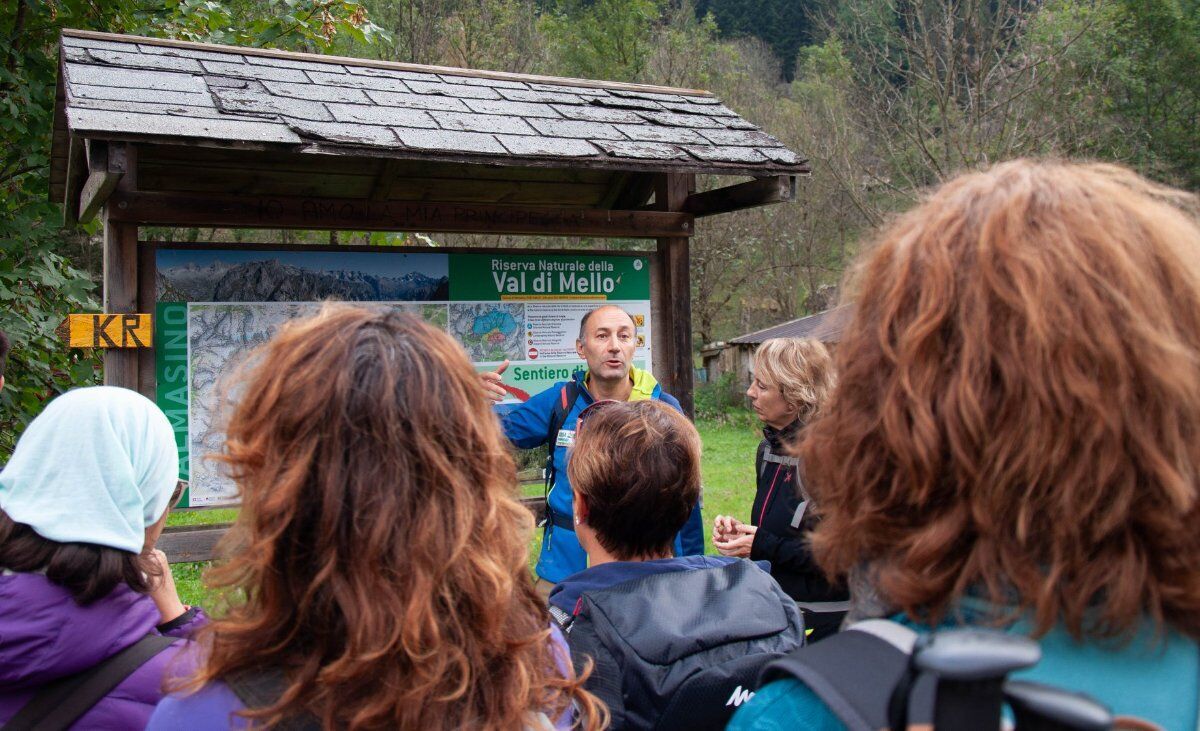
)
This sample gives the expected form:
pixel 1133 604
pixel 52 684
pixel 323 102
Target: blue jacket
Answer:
pixel 526 426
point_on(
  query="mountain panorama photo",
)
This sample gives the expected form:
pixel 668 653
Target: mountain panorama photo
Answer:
pixel 273 280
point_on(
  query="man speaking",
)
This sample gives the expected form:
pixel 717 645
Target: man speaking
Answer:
pixel 607 341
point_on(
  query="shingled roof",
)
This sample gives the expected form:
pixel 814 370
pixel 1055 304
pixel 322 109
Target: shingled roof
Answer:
pixel 825 326
pixel 131 88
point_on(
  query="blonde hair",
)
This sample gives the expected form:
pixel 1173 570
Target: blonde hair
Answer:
pixel 802 370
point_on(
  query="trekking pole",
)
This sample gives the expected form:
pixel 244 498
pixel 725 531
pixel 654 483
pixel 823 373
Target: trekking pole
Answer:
pixel 970 666
pixel 1038 707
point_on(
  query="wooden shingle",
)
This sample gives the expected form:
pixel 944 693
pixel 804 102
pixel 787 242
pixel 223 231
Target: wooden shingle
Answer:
pixel 128 88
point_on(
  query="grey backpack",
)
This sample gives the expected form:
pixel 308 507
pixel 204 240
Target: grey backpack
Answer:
pixel 682 650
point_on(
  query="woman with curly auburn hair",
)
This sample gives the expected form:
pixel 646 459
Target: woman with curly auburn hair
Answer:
pixel 380 548
pixel 1015 438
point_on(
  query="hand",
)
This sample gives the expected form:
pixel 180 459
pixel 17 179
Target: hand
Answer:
pixel 491 383
pixel 726 526
pixel 736 545
pixel 162 589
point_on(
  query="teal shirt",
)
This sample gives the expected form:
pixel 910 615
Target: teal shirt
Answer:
pixel 1151 678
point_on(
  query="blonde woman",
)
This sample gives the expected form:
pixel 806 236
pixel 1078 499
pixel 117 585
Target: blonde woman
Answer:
pixel 792 378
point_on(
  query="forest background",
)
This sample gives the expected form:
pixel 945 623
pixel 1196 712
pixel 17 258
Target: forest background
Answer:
pixel 885 97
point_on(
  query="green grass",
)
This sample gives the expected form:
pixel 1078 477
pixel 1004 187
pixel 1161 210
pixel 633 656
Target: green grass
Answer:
pixel 202 517
pixel 727 469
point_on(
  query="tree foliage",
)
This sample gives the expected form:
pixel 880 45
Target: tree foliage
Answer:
pixel 604 39
pixel 784 25
pixel 885 97
pixel 39 286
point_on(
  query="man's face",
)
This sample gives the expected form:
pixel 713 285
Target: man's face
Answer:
pixel 608 344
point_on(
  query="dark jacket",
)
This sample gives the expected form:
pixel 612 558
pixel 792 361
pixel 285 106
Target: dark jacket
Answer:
pixel 675 643
pixel 45 635
pixel 779 496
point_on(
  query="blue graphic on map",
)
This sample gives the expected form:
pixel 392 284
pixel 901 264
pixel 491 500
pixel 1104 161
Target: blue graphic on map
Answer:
pixel 489 331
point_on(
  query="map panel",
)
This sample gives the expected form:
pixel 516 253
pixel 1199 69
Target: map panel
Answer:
pixel 490 331
pixel 220 336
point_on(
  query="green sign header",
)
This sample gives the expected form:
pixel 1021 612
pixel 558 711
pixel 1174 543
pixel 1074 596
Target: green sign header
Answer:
pixel 484 277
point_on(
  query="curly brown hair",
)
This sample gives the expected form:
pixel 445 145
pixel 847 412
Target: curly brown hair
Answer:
pixel 381 549
pixel 1018 409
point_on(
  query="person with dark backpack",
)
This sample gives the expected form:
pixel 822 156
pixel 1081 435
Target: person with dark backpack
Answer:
pixel 672 642
pixel 89 614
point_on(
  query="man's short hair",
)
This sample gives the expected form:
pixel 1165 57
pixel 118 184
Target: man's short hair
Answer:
pixel 584 320
pixel 4 348
pixel 638 465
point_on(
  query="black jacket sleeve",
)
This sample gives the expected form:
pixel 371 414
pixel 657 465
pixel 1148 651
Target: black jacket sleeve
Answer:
pixel 786 553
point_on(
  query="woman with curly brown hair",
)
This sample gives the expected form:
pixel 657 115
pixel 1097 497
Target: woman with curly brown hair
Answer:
pixel 380 548
pixel 1015 438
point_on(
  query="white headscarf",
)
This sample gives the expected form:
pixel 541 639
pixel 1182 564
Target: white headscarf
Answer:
pixel 97 466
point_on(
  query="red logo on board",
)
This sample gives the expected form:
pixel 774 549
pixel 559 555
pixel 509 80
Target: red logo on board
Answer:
pixel 533 354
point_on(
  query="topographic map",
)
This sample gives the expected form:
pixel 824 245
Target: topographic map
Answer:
pixel 489 331
pixel 220 336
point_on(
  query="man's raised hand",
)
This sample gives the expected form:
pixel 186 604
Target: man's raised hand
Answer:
pixel 491 382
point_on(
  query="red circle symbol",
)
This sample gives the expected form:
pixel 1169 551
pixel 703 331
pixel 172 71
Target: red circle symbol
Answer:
pixel 533 354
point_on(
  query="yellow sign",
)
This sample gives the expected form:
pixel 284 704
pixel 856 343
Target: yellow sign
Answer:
pixel 107 331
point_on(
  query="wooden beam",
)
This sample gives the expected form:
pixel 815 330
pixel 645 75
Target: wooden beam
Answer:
pixel 120 294
pixel 635 192
pixel 185 544
pixel 188 543
pixel 106 165
pixel 618 184
pixel 123 158
pixel 759 192
pixel 76 169
pixel 389 170
pixel 671 191
pixel 172 209
pixel 147 297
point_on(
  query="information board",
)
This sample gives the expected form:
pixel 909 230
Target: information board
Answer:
pixel 216 305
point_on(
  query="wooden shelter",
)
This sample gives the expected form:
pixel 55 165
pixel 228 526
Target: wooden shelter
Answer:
pixel 170 133
pixel 737 355
pixel 152 132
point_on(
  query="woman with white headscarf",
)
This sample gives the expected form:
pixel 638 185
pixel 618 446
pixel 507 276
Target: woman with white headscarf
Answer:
pixel 88 610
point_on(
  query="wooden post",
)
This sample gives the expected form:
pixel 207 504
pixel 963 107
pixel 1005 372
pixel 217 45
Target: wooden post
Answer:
pixel 120 295
pixel 673 260
pixel 147 296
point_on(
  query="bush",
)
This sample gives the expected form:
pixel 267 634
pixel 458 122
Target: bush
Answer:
pixel 717 399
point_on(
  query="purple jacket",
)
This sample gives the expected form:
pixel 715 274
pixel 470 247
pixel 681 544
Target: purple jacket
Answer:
pixel 45 635
pixel 214 706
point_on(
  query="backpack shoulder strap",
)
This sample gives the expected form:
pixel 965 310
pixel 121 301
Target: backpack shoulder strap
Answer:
pixel 854 672
pixel 58 705
pixel 263 688
pixel 562 619
pixel 567 396
pixel 562 408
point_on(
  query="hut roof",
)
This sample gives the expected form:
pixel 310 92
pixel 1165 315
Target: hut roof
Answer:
pixel 824 326
pixel 118 87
